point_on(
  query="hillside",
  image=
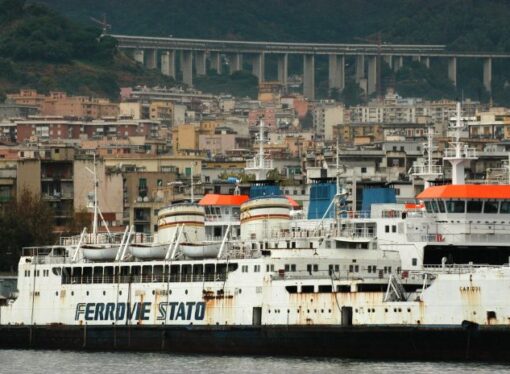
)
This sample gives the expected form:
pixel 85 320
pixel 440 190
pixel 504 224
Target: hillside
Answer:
pixel 460 24
pixel 41 49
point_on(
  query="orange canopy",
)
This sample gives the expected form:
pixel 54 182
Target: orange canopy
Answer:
pixel 293 203
pixel 467 191
pixel 223 200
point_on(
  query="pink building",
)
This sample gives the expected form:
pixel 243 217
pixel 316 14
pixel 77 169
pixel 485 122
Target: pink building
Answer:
pixel 268 114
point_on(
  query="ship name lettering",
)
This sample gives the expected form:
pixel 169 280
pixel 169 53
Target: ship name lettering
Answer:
pixel 470 289
pixel 181 311
pixel 112 311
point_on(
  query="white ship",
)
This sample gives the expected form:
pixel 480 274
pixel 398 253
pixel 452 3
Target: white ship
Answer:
pixel 430 283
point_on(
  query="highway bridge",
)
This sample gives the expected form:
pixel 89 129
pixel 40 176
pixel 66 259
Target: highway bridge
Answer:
pixel 197 55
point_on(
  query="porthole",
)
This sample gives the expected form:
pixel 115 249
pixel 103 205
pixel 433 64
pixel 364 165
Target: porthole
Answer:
pixel 120 292
pixel 153 292
pixel 104 293
pixel 186 292
pixel 169 292
pixel 72 293
pixel 56 293
pixel 88 293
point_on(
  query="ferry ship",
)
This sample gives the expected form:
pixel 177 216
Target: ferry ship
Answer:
pixel 431 281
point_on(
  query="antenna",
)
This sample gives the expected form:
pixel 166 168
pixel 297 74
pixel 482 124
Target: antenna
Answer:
pixel 105 26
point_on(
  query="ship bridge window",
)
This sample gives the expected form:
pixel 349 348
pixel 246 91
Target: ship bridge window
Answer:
pixel 158 273
pixel 429 206
pixel 98 275
pixel 146 273
pixel 440 206
pixel 491 206
pixel 108 274
pixel 87 275
pixel 456 206
pixel 505 207
pixel 474 206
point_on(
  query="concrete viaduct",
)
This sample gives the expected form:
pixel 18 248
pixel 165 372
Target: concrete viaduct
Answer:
pixel 201 52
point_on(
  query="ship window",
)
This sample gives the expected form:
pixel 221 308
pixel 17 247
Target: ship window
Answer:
pixel 56 271
pixel 256 268
pixel 505 207
pixel 269 268
pixel 429 207
pixel 244 268
pixel 387 228
pixel 440 206
pixel 474 206
pixel 325 288
pixel 415 261
pixel 456 206
pixel 491 206
pixel 291 289
pixel 307 289
pixel 394 228
pixel 98 275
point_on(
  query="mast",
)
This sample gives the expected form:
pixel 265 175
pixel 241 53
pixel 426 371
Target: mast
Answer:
pixel 258 164
pixel 426 168
pixel 458 154
pixel 94 225
pixel 192 192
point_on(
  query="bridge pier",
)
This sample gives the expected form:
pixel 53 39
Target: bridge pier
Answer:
pixel 360 67
pixel 215 58
pixel 398 63
pixel 389 60
pixel 187 67
pixel 151 61
pixel 235 62
pixel 487 74
pixel 168 63
pixel 426 62
pixel 452 70
pixel 200 62
pixel 257 66
pixel 309 76
pixel 138 56
pixel 283 63
pixel 372 75
pixel 337 72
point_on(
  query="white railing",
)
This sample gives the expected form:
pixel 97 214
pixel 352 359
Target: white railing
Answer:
pixel 256 164
pixel 465 152
pixel 459 238
pixel 421 169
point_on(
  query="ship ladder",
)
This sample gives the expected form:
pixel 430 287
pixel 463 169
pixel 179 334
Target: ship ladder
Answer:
pixel 395 290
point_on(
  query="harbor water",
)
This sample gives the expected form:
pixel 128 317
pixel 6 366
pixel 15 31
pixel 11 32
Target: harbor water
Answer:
pixel 46 362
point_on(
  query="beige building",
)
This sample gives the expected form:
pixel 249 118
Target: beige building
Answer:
pixel 60 104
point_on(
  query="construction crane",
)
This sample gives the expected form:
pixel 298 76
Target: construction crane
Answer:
pixel 105 26
pixel 378 41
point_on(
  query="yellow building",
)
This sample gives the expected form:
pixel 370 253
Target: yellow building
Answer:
pixel 161 110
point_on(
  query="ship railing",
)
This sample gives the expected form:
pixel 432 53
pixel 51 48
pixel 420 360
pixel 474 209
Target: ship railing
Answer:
pixel 104 238
pixel 459 238
pixel 357 233
pixel 148 278
pixel 455 268
pixel 301 275
pixel 351 214
pixel 300 234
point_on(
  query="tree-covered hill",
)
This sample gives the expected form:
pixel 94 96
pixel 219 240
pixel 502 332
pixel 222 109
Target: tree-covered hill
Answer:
pixel 41 49
pixel 460 24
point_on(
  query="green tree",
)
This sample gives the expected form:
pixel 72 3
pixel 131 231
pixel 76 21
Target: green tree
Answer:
pixel 25 222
